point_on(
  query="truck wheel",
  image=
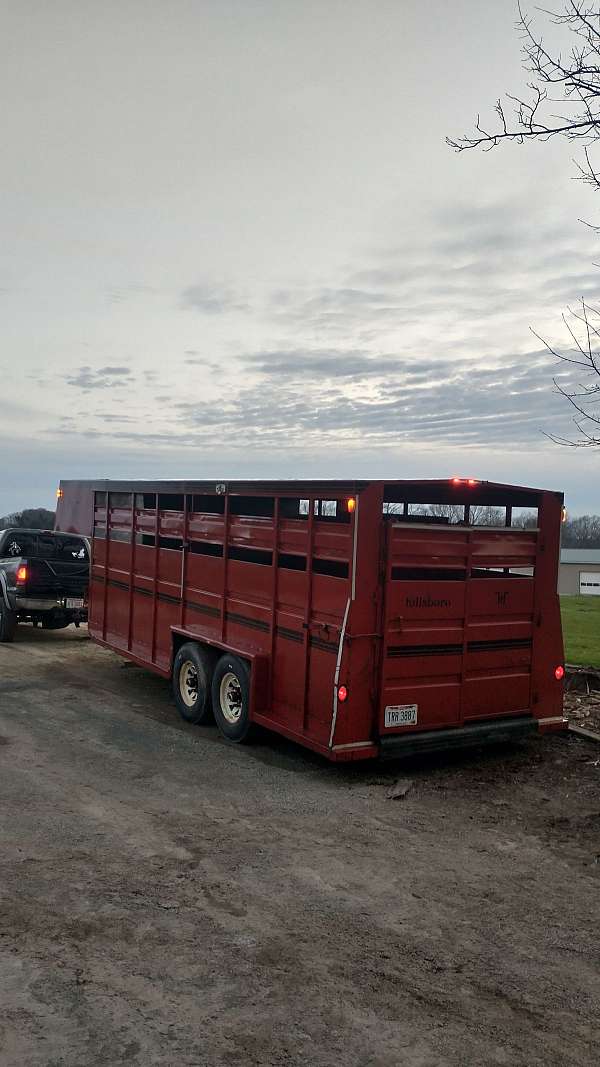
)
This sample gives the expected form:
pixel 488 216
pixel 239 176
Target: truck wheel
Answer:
pixel 231 698
pixel 8 623
pixel 192 673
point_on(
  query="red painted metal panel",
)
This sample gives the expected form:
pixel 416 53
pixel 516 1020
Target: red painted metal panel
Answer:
pixel 461 649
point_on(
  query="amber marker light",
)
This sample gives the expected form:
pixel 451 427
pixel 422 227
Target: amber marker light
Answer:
pixel 351 504
pixel 59 494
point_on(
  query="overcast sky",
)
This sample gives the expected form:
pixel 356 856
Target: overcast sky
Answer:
pixel 234 243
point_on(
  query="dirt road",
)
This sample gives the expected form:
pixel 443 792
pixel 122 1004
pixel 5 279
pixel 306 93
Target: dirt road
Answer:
pixel 168 899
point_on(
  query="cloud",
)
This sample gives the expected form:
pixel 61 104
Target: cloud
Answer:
pixel 87 378
pixel 328 395
pixel 425 345
pixel 211 300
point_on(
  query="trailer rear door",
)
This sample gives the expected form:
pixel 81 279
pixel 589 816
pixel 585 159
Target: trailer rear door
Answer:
pixel 458 625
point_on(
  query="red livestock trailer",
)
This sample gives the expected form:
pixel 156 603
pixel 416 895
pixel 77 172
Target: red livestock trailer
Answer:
pixel 359 618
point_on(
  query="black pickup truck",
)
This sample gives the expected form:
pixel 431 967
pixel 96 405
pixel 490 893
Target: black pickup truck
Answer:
pixel 44 579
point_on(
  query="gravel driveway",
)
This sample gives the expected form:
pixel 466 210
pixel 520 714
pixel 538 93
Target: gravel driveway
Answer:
pixel 169 899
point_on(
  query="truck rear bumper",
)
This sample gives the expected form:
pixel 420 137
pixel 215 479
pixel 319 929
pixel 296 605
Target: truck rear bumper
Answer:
pixel 495 731
pixel 28 604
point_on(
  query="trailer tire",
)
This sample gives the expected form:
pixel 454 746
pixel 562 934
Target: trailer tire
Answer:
pixel 231 698
pixel 8 623
pixel 192 675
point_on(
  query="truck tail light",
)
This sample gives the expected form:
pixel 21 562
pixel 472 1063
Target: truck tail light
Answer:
pixel 342 694
pixel 559 672
pixel 22 575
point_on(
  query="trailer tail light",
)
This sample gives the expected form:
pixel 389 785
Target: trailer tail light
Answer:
pixel 21 575
pixel 351 504
pixel 559 673
pixel 464 481
pixel 342 694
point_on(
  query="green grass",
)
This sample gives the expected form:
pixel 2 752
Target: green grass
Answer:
pixel 581 629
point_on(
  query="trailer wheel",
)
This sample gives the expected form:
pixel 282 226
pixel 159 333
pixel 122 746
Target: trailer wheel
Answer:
pixel 8 623
pixel 231 698
pixel 192 673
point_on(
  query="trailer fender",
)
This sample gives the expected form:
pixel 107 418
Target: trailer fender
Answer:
pixel 258 661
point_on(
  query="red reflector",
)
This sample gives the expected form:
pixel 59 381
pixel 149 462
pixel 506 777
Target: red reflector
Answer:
pixel 559 673
pixel 22 574
pixel 342 694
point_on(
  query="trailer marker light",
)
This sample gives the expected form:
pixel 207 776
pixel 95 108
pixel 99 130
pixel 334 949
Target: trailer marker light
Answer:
pixel 59 494
pixel 559 673
pixel 472 481
pixel 563 514
pixel 351 504
pixel 22 574
pixel 455 481
pixel 342 694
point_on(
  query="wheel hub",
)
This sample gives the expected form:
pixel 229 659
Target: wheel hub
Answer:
pixel 231 698
pixel 188 683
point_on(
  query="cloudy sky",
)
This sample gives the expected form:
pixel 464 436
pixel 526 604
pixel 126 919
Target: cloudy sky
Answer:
pixel 234 243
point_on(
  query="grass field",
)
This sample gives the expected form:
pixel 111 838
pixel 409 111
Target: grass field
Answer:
pixel 581 629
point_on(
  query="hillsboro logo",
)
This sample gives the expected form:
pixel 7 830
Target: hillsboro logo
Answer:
pixel 426 602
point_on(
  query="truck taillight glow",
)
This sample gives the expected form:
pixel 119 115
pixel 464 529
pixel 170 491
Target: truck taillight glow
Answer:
pixel 22 574
pixel 342 694
pixel 559 673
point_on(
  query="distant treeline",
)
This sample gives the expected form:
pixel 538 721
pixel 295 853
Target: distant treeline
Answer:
pixel 582 532
pixel 29 519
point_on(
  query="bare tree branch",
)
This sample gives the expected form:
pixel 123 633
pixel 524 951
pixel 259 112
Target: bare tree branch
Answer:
pixel 577 77
pixel 583 394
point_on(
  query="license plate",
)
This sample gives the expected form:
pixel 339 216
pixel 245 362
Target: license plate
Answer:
pixel 401 714
pixel 74 602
